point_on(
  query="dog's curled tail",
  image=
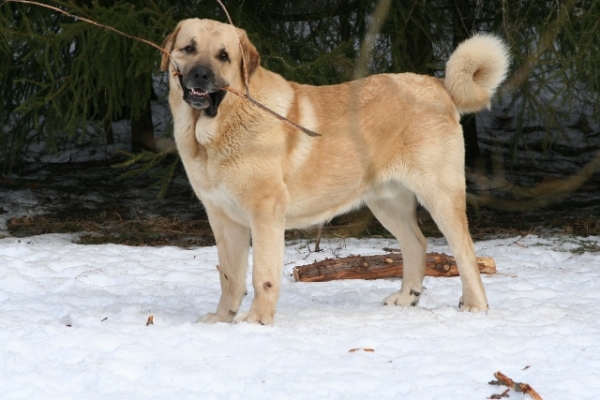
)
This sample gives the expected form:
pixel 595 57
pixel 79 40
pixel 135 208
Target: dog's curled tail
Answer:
pixel 475 70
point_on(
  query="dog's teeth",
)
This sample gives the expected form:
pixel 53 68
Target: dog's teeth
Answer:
pixel 197 92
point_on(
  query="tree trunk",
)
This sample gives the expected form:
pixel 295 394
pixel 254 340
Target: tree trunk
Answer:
pixel 469 126
pixel 464 21
pixel 142 127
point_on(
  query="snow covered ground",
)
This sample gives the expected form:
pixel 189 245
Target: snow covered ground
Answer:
pixel 73 317
pixel 73 326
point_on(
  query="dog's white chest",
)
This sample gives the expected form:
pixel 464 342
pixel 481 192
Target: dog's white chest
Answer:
pixel 205 130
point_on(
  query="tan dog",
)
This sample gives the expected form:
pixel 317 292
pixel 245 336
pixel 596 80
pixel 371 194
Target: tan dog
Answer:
pixel 387 141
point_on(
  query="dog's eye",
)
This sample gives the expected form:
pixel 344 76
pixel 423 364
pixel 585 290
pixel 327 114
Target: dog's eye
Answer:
pixel 223 56
pixel 188 49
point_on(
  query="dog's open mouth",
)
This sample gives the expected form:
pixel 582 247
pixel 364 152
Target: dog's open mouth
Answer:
pixel 201 99
pixel 197 97
pixel 197 92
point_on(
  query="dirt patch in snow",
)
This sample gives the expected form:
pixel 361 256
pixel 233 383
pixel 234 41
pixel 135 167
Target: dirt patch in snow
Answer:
pixel 89 197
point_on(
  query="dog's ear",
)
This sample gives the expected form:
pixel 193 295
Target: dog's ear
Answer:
pixel 168 45
pixel 250 53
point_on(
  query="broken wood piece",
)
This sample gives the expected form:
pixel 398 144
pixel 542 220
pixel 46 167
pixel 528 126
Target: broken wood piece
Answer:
pixel 500 395
pixel 516 386
pixel 382 266
pixel 367 349
pixel 18 183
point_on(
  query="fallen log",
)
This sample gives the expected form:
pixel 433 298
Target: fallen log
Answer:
pixel 381 266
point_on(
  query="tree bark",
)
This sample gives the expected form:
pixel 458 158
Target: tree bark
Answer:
pixel 469 126
pixel 382 266
pixel 142 127
pixel 464 22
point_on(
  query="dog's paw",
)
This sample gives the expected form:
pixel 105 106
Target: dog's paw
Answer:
pixel 403 299
pixel 212 318
pixel 471 307
pixel 253 318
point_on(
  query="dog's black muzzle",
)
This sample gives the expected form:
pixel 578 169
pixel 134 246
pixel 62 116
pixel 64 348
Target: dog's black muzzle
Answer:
pixel 201 91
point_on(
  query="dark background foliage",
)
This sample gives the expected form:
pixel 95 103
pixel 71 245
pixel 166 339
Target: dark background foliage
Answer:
pixel 62 79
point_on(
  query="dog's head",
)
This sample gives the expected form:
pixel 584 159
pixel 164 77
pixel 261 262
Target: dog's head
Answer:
pixel 208 56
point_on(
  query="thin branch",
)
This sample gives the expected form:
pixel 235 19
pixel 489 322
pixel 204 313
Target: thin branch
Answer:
pixel 544 43
pixel 248 97
pixel 244 64
pixel 273 113
pixel 537 196
pixel 89 21
pixel 176 72
pixel 379 16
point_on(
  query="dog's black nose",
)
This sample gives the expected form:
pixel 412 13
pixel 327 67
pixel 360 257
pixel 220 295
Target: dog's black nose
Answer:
pixel 201 77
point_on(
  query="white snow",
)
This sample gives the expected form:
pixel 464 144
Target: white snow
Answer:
pixel 73 326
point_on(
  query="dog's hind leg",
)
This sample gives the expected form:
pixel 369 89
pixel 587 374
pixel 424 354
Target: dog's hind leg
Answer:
pixel 448 210
pixel 397 213
pixel 233 243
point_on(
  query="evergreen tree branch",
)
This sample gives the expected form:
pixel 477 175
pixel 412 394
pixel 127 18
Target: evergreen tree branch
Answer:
pixel 176 72
pixel 89 21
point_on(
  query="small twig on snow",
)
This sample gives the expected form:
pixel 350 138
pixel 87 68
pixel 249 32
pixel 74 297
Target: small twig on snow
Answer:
pixel 516 386
pixel 501 395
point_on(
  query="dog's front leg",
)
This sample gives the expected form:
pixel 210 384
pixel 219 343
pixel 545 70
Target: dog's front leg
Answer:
pixel 233 244
pixel 268 241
